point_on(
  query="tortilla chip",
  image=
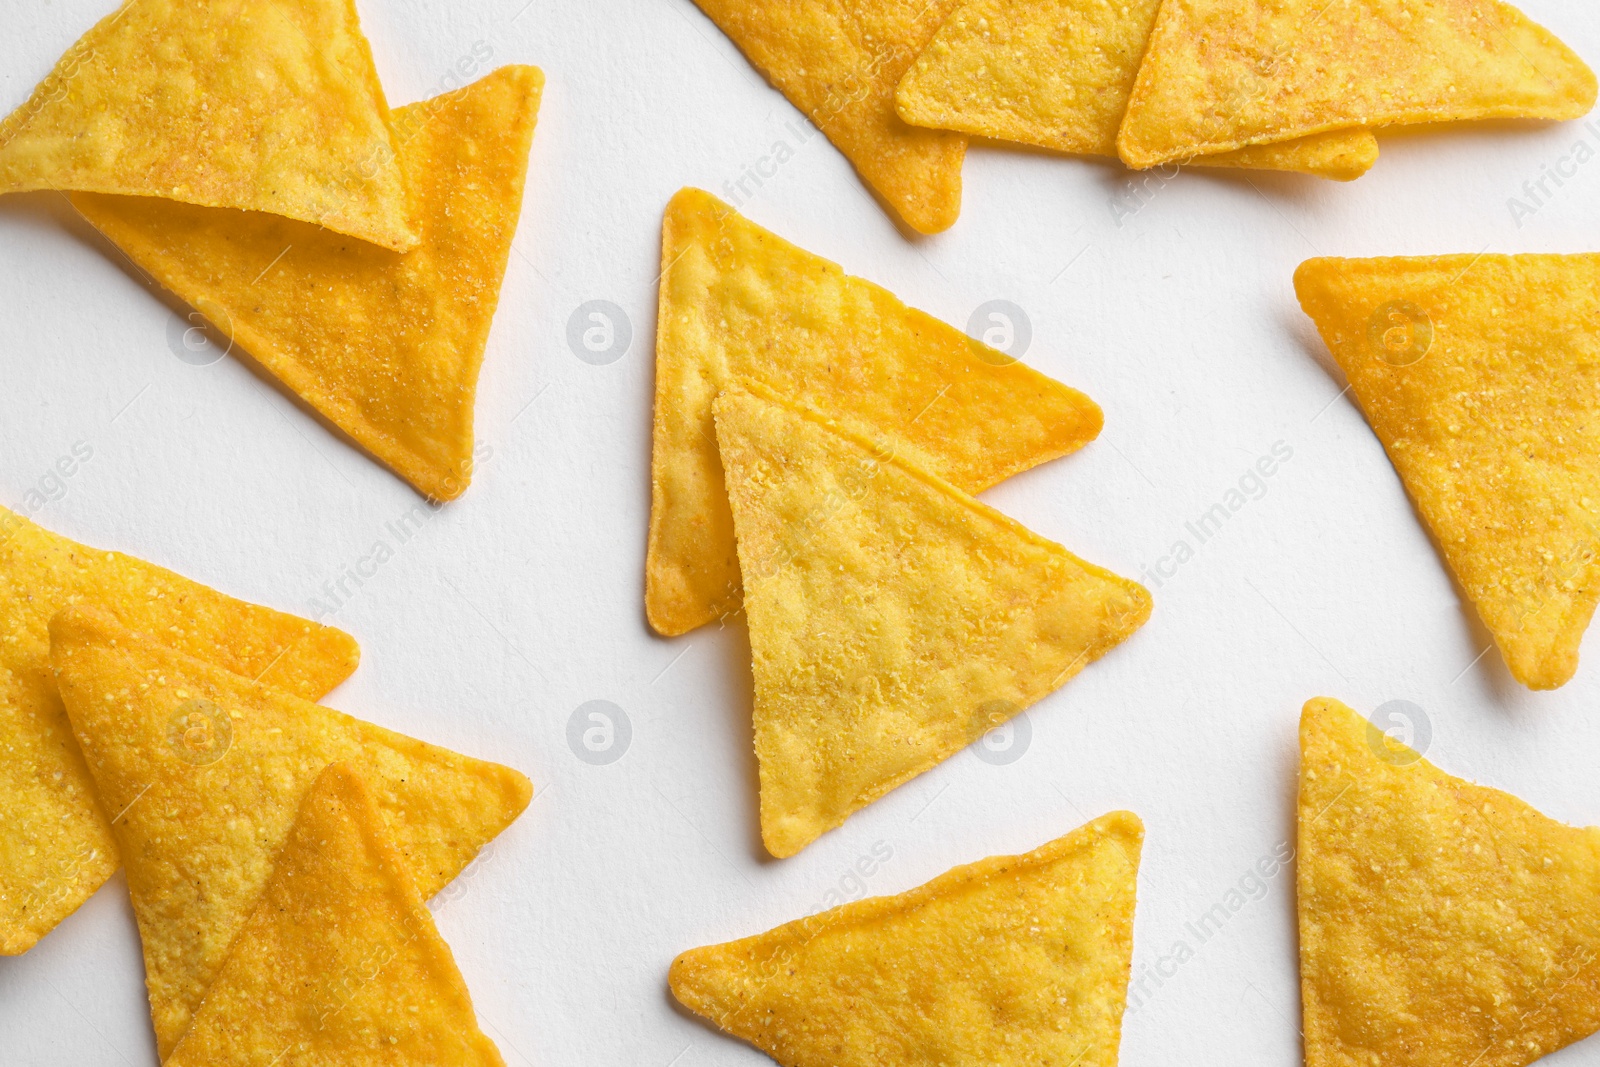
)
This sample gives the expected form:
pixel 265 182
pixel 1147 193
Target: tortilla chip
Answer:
pixel 737 303
pixel 340 962
pixel 261 105
pixel 1338 155
pixel 1481 376
pixel 1441 923
pixel 1013 961
pixel 386 346
pixel 56 848
pixel 839 63
pixel 1057 74
pixel 208 769
pixel 893 618
pixel 1220 75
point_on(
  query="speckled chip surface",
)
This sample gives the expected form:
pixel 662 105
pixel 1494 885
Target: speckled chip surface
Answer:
pixel 387 346
pixel 1481 376
pixel 1013 961
pixel 56 847
pixel 259 105
pixel 893 619
pixel 738 302
pixel 208 768
pixel 339 962
pixel 1441 923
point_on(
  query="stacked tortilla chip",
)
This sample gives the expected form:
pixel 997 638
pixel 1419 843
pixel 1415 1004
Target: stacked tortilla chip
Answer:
pixel 1278 86
pixel 148 719
pixel 1296 86
pixel 816 443
pixel 56 844
pixel 278 855
pixel 242 153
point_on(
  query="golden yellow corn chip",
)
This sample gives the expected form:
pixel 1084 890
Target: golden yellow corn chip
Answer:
pixel 839 62
pixel 56 848
pixel 263 105
pixel 1057 74
pixel 1222 74
pixel 1013 961
pixel 1481 376
pixel 207 769
pixel 340 962
pixel 386 346
pixel 1441 923
pixel 738 302
pixel 893 618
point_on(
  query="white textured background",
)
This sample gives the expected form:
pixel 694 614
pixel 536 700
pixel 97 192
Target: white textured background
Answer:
pixel 522 601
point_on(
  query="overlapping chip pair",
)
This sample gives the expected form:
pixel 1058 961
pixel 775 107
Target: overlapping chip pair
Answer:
pixel 1295 86
pixel 1440 923
pixel 241 152
pixel 277 852
pixel 816 443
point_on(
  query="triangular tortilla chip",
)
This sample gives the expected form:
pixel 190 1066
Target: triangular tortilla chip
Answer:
pixel 1222 74
pixel 263 105
pixel 340 962
pixel 1441 923
pixel 386 346
pixel 56 848
pixel 1013 961
pixel 737 303
pixel 1481 376
pixel 1057 74
pixel 208 768
pixel 839 63
pixel 893 618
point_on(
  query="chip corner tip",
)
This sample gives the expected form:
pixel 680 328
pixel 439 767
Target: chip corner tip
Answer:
pixel 75 621
pixel 934 219
pixel 688 980
pixel 1543 670
pixel 782 841
pixel 522 791
pixel 440 486
pixel 1125 823
pixel 1310 272
pixel 664 614
pixel 691 201
pixel 1318 712
pixel 530 75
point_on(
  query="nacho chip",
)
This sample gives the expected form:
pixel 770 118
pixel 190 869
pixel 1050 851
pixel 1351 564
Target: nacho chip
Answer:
pixel 1220 74
pixel 340 962
pixel 738 302
pixel 56 848
pixel 208 769
pixel 839 63
pixel 262 105
pixel 893 618
pixel 1057 74
pixel 1481 376
pixel 1013 961
pixel 1441 923
pixel 388 347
